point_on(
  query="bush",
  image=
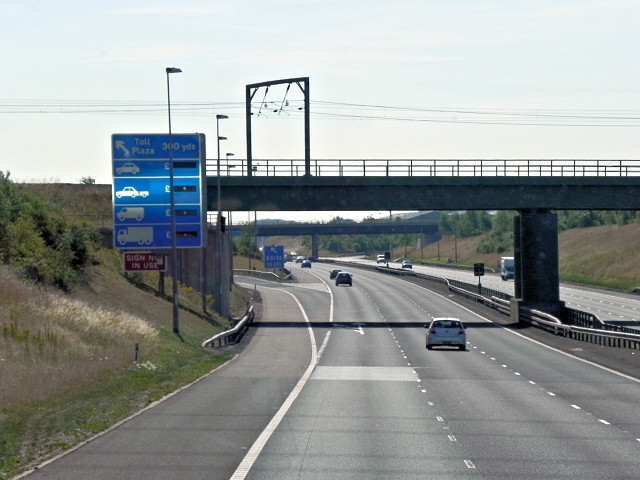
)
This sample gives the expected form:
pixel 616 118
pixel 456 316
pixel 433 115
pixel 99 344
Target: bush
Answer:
pixel 37 240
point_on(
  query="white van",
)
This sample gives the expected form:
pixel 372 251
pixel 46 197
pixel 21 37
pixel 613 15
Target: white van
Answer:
pixel 382 259
pixel 507 269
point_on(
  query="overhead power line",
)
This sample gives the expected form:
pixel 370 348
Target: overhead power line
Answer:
pixel 587 114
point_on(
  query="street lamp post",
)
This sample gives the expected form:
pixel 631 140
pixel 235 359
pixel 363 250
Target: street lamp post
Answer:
pixel 229 167
pixel 219 220
pixel 174 245
pixel 230 228
pixel 218 118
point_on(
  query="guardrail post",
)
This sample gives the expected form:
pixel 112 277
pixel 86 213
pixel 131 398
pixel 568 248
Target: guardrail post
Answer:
pixel 515 308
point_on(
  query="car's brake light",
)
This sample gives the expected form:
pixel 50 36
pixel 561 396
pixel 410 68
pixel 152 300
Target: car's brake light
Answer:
pixel 461 331
pixel 432 330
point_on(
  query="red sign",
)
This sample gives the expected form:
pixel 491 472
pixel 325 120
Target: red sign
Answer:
pixel 144 262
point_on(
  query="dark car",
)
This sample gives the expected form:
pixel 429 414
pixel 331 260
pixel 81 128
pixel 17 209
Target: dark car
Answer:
pixel 344 277
pixel 305 263
pixel 334 273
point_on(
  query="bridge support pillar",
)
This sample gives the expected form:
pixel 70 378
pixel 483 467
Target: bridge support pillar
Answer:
pixel 536 261
pixel 314 245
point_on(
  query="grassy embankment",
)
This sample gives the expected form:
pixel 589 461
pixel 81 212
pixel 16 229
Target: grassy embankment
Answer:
pixel 67 361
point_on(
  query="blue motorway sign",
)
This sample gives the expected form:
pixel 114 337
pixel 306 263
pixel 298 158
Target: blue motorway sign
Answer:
pixel 142 212
pixel 273 257
pixel 152 146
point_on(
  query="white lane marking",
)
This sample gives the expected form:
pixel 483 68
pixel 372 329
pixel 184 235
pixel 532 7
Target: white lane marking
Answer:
pixel 576 407
pixel 324 344
pixel 389 374
pixel 453 438
pixel 469 464
pixel 604 421
pixel 356 327
pixel 440 419
pixel 552 394
pixel 251 456
pixel 532 382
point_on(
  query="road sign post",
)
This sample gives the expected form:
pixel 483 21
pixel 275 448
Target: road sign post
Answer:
pixel 478 271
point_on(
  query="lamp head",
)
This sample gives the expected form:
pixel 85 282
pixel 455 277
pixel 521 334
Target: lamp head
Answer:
pixel 173 70
pixel 221 117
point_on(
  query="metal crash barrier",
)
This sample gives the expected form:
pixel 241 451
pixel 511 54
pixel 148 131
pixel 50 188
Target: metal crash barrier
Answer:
pixel 234 334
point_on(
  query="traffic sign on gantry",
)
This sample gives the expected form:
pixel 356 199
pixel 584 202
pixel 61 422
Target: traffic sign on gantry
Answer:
pixel 142 190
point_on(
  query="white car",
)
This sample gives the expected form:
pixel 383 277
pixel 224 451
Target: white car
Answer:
pixel 446 332
pixel 131 192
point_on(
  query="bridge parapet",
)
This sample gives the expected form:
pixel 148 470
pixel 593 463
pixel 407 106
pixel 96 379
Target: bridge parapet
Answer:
pixel 430 168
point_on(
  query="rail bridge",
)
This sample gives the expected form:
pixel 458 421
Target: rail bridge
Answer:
pixel 533 188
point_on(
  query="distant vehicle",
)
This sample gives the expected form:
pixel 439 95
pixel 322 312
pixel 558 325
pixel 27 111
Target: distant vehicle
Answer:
pixel 139 235
pixel 344 277
pixel 334 273
pixel 407 264
pixel 447 332
pixel 131 192
pixel 507 269
pixel 381 259
pixel 305 263
pixel 128 168
pixel 130 212
pixel 299 259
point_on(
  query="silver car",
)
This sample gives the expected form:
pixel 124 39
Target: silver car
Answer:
pixel 446 332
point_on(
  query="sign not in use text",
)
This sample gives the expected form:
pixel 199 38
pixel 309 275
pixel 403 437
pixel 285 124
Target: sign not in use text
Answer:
pixel 144 262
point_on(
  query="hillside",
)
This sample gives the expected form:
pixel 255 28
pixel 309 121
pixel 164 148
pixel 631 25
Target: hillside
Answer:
pixel 605 256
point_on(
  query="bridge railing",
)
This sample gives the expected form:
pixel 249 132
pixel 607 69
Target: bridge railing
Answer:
pixel 430 168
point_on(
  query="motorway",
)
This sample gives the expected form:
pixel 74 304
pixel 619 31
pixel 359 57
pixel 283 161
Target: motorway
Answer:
pixel 607 306
pixel 336 383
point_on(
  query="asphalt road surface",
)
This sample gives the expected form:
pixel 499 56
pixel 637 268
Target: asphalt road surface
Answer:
pixel 336 382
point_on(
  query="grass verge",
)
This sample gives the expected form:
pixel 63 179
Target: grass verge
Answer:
pixel 36 426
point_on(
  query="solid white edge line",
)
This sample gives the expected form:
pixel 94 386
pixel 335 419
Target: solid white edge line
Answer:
pixel 251 456
pixel 121 422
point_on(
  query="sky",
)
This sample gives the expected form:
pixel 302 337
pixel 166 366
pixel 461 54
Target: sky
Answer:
pixel 389 79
